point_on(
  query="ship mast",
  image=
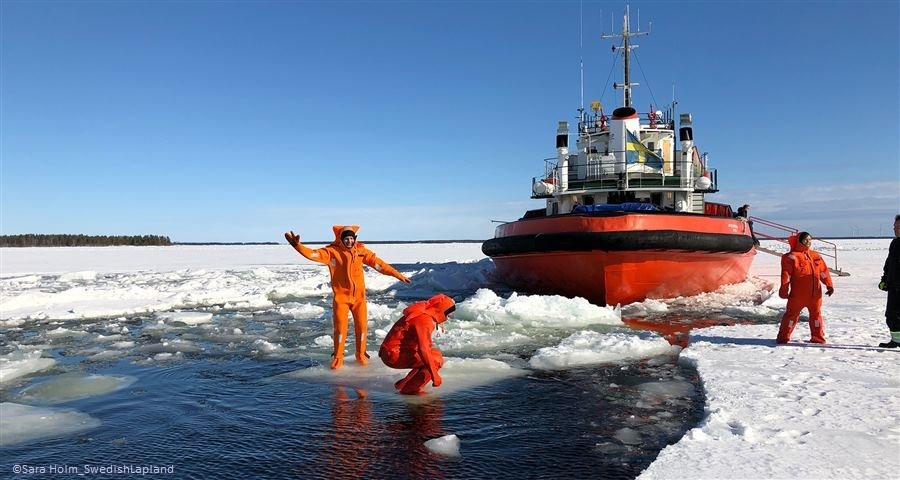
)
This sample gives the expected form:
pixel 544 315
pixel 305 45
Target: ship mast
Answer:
pixel 625 49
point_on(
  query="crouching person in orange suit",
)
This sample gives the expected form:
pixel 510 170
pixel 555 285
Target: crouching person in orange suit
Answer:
pixel 345 259
pixel 409 345
pixel 803 271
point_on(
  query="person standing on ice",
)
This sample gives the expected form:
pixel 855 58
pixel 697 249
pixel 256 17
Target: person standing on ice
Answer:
pixel 345 259
pixel 803 271
pixel 890 283
pixel 408 344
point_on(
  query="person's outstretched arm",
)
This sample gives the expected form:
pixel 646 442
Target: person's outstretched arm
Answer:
pixel 372 260
pixel 319 255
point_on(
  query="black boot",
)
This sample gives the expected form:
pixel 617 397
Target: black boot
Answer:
pixel 891 344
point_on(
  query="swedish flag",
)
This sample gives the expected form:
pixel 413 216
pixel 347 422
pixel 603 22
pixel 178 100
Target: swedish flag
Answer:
pixel 637 152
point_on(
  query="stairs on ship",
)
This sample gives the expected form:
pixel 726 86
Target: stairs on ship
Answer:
pixel 698 205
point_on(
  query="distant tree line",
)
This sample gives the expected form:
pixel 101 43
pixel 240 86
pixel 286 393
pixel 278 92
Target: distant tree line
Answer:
pixel 225 243
pixel 67 240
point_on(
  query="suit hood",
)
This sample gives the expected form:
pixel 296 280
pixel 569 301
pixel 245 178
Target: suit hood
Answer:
pixel 796 246
pixel 437 307
pixel 338 229
pixel 442 305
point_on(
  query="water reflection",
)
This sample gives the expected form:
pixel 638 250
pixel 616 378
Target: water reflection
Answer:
pixel 676 329
pixel 360 441
pixel 409 430
pixel 348 448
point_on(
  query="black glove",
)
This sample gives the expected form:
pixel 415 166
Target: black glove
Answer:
pixel 292 238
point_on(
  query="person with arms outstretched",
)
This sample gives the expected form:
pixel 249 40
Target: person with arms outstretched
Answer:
pixel 345 259
pixel 408 344
pixel 803 271
pixel 890 283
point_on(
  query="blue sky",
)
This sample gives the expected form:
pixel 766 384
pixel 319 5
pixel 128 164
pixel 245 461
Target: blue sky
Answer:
pixel 237 121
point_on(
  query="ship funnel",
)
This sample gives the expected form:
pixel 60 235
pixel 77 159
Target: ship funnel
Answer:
pixel 562 137
pixel 624 112
pixel 686 132
pixel 629 117
pixel 562 154
pixel 624 120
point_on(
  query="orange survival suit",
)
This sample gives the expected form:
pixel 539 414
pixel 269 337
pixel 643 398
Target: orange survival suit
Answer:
pixel 348 284
pixel 802 273
pixel 408 344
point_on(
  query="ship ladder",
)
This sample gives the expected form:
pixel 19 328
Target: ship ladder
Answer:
pixel 778 234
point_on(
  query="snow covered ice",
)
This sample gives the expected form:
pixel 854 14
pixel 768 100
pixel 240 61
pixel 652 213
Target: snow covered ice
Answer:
pixel 795 411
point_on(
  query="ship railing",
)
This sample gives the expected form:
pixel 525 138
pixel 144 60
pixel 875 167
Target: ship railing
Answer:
pixel 551 169
pixel 550 178
pixel 779 234
pixel 599 122
pixel 604 174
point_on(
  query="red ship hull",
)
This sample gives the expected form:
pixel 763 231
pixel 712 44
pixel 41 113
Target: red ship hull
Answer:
pixel 622 257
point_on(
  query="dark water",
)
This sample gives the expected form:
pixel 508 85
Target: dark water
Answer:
pixel 224 410
pixel 237 419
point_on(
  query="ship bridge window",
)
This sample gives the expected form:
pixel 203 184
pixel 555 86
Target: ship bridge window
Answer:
pixel 621 197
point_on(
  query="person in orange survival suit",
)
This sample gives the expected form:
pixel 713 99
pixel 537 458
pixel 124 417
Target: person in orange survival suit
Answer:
pixel 802 273
pixel 408 344
pixel 345 259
